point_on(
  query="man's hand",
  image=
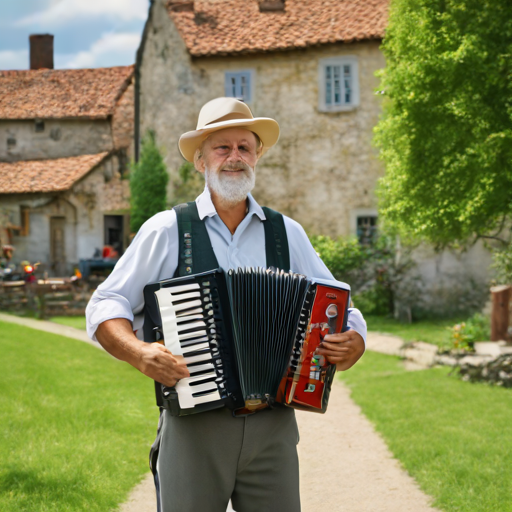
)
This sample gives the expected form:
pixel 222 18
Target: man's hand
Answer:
pixel 152 359
pixel 342 349
pixel 158 363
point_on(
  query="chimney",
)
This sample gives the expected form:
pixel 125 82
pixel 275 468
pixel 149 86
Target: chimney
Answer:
pixel 181 5
pixel 271 5
pixel 41 51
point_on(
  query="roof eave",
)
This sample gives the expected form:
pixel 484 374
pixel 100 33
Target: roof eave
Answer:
pixel 249 51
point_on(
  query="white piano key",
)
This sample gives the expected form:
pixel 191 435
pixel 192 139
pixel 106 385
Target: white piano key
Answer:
pixel 185 296
pixel 207 386
pixel 194 348
pixel 186 305
pixel 189 318
pixel 198 359
pixel 191 325
pixel 200 368
pixel 206 398
pixel 188 343
pixel 189 335
pixel 184 314
pixel 169 325
pixel 183 288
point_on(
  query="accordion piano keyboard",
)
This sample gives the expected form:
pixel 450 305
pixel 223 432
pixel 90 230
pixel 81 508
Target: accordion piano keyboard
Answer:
pixel 188 328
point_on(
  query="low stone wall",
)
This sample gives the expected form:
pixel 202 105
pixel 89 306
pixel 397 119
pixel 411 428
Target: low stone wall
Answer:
pixel 44 300
pixel 497 371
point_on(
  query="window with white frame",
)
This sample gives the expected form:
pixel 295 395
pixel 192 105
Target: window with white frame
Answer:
pixel 338 80
pixel 238 84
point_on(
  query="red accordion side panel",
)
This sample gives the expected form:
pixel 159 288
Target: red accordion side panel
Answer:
pixel 305 387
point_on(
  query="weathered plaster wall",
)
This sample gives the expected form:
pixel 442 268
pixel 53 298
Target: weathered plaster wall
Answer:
pixel 35 247
pixel 59 139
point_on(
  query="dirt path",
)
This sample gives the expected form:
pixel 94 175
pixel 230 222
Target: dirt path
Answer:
pixel 345 464
pixel 352 471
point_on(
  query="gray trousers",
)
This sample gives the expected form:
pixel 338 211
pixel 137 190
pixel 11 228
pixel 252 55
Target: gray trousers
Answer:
pixel 209 458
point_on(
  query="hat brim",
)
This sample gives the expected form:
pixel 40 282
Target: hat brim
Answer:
pixel 265 128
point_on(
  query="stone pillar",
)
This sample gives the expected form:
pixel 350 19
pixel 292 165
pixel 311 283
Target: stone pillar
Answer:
pixel 499 317
pixel 41 51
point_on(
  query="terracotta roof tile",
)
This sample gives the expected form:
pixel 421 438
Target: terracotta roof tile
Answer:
pixel 46 175
pixel 62 93
pixel 237 26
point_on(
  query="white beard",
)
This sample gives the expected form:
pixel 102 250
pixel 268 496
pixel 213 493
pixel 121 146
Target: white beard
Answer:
pixel 231 190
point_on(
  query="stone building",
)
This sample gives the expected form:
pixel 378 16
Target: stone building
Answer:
pixel 66 137
pixel 310 64
pixel 282 59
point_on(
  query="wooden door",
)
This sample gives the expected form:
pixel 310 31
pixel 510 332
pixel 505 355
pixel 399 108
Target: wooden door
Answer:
pixel 58 246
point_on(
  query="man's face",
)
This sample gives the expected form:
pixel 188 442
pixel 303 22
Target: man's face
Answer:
pixel 229 158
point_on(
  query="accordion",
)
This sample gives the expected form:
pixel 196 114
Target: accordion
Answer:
pixel 248 338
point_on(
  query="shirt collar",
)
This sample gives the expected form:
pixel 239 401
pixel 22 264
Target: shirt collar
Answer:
pixel 205 207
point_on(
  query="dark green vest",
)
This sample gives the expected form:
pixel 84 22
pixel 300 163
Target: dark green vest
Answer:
pixel 195 250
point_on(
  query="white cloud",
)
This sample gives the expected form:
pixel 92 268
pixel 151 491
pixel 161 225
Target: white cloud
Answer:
pixel 14 59
pixel 110 50
pixel 62 11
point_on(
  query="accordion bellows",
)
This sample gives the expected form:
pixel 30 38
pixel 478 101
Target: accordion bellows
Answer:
pixel 248 338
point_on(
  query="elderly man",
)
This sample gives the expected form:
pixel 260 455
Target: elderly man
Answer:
pixel 204 460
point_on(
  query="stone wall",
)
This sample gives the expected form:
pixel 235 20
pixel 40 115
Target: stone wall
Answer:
pixel 60 138
pixel 321 158
pixel 122 121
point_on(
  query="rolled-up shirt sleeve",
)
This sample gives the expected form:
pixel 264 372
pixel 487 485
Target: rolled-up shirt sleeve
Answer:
pixel 305 260
pixel 152 256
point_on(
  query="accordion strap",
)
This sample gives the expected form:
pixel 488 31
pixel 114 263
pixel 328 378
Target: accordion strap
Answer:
pixel 196 252
pixel 276 240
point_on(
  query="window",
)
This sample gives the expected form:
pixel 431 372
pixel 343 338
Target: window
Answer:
pixel 238 84
pixel 39 125
pixel 366 229
pixel 338 79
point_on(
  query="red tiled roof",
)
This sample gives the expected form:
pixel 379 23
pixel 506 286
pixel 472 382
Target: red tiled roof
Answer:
pixel 62 93
pixel 235 26
pixel 55 175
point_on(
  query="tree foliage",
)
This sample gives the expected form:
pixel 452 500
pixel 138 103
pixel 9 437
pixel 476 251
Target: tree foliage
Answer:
pixel 446 131
pixel 188 186
pixel 148 183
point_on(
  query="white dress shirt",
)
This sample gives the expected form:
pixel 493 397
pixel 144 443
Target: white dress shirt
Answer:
pixel 153 256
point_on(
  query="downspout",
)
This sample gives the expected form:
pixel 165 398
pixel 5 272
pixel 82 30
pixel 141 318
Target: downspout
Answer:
pixel 138 64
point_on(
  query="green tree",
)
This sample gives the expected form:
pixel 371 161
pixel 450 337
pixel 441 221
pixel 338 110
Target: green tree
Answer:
pixel 148 183
pixel 446 132
pixel 188 186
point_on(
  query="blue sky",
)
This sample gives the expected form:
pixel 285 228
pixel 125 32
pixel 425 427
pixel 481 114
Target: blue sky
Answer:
pixel 88 33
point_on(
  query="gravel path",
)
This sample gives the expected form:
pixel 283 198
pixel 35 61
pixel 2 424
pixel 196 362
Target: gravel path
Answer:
pixel 352 471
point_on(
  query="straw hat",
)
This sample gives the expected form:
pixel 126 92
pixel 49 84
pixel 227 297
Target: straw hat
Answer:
pixel 222 113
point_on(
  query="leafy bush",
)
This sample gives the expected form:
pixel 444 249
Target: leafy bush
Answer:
pixel 343 256
pixel 189 185
pixel 465 334
pixel 380 275
pixel 148 183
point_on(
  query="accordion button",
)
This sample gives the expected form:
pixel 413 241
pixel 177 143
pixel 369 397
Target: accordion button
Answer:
pixel 188 270
pixel 187 235
pixel 188 261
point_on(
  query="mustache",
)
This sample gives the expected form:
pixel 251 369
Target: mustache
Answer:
pixel 235 166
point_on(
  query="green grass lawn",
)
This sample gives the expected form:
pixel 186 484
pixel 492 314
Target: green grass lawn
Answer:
pixel 75 424
pixel 454 438
pixel 71 321
pixel 429 331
